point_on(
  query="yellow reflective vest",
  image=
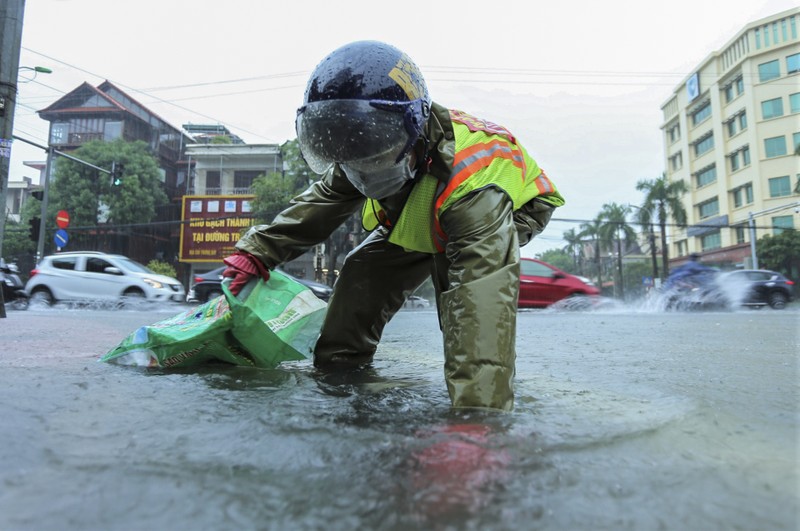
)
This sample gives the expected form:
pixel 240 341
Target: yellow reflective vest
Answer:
pixel 485 154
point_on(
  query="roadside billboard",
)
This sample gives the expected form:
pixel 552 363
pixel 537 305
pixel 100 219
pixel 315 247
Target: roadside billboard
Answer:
pixel 212 225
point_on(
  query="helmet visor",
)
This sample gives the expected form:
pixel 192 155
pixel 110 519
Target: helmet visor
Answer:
pixel 367 134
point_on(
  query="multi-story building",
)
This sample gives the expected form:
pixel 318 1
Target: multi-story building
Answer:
pixel 216 204
pixel 731 131
pixel 106 113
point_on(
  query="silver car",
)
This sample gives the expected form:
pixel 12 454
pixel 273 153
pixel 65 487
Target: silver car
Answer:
pixel 95 276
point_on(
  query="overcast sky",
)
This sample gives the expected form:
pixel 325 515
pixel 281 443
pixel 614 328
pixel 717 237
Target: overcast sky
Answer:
pixel 580 83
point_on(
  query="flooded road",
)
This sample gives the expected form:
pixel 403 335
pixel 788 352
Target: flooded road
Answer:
pixel 624 419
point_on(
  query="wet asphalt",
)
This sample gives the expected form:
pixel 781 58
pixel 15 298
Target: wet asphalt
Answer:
pixel 625 418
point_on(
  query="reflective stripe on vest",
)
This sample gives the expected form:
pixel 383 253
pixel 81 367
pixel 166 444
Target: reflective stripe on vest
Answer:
pixel 485 155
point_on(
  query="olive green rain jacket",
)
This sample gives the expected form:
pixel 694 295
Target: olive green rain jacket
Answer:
pixel 475 265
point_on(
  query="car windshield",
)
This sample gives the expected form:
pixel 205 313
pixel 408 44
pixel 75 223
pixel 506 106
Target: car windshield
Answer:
pixel 134 266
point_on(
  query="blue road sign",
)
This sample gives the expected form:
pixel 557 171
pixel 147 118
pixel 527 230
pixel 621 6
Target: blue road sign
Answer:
pixel 61 238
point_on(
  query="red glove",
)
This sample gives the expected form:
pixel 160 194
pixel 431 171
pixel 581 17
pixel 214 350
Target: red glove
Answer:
pixel 242 267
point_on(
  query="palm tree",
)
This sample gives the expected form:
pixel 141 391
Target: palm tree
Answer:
pixel 591 231
pixel 615 228
pixel 575 248
pixel 645 219
pixel 663 197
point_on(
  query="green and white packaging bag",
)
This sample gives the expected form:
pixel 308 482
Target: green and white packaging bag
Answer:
pixel 278 320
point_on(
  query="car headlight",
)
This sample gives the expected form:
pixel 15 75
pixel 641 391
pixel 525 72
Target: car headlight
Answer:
pixel 153 283
pixel 585 280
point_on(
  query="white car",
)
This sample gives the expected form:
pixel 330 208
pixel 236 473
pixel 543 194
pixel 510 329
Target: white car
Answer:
pixel 95 276
pixel 416 302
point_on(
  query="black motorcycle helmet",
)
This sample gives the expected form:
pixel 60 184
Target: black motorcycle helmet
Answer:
pixel 365 106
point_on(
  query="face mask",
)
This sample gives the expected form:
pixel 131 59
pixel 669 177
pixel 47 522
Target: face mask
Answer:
pixel 380 184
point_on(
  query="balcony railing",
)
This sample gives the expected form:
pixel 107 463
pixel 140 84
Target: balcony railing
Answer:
pixel 193 190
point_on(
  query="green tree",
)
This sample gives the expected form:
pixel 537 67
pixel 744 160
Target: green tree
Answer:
pixel 296 168
pixel 275 190
pixel 615 229
pixel 16 241
pixel 89 195
pixel 644 217
pixel 575 248
pixel 273 193
pixel 780 253
pixel 663 199
pixel 559 258
pixel 634 273
pixel 161 268
pixel 591 231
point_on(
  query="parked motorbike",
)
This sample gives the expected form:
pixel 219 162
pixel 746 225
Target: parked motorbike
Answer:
pixel 14 294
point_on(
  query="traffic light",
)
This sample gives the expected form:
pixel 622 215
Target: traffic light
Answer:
pixel 116 173
pixel 34 224
pixel 38 194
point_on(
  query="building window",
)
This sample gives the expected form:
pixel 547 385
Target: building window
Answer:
pixel 740 158
pixel 758 38
pixel 794 27
pixel 775 146
pixel 112 131
pixel 737 124
pixel 766 36
pixel 782 223
pixel 795 142
pixel 709 208
pixel 674 133
pixel 793 63
pixel 794 102
pixel 739 233
pixel 706 176
pixel 711 241
pixel 780 186
pixel 770 70
pixel 772 108
pixel 59 133
pixel 676 161
pixel 743 195
pixel 734 89
pixel 704 145
pixel 243 180
pixel 701 113
pixel 729 93
pixel 213 182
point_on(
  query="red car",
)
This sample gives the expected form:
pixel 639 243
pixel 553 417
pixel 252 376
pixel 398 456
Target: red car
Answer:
pixel 541 284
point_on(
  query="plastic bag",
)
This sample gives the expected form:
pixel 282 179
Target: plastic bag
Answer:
pixel 278 320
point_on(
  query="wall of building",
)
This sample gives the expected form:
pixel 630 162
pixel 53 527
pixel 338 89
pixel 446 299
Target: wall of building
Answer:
pixel 728 81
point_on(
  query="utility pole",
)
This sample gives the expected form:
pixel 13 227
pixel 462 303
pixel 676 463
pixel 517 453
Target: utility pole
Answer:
pixel 11 12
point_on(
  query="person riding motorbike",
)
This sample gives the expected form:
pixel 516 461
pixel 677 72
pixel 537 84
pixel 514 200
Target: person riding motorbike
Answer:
pixel 445 194
pixel 691 274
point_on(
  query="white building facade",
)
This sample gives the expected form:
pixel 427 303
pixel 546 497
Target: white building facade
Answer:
pixel 731 130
